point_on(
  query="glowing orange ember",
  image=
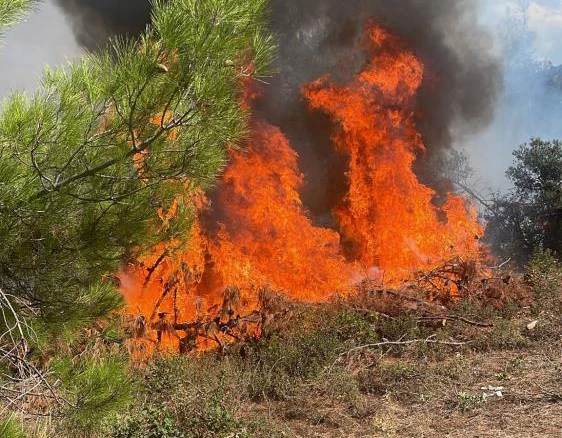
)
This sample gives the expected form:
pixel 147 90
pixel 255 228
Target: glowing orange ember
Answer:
pixel 256 234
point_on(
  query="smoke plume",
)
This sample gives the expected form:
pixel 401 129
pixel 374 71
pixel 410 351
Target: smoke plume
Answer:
pixel 94 21
pixel 462 82
pixel 317 37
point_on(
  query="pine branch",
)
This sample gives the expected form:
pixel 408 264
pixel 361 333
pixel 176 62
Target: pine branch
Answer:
pixel 12 11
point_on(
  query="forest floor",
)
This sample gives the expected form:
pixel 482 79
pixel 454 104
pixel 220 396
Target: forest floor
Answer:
pixel 338 370
pixel 512 393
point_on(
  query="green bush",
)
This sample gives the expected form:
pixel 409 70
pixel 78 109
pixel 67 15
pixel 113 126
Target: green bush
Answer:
pixel 304 352
pixel 545 276
pixel 187 398
pixel 151 422
pixel 97 388
pixel 9 428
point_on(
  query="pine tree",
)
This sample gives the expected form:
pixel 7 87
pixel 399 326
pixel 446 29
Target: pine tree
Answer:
pixel 12 11
pixel 89 160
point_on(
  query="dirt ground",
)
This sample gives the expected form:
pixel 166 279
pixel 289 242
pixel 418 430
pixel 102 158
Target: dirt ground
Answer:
pixel 451 398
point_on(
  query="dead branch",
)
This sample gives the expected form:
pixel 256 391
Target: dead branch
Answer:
pixel 455 318
pixel 25 381
pixel 429 340
pixel 502 265
pixel 150 271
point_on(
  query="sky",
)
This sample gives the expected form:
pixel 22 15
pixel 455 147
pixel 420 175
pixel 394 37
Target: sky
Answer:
pixel 45 38
pixel 528 108
pixel 544 19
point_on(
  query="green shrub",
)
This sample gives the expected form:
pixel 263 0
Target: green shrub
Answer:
pixel 9 428
pixel 545 276
pixel 151 422
pixel 187 398
pixel 505 335
pixel 466 401
pixel 97 389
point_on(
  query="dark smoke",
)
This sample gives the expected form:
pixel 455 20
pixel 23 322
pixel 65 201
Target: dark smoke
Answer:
pixel 316 37
pixel 462 83
pixel 94 21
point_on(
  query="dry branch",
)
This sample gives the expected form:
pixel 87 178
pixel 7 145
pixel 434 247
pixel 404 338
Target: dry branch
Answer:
pixel 400 342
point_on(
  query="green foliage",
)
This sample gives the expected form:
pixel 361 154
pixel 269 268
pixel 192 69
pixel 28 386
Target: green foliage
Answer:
pixel 96 389
pixel 11 11
pixel 530 217
pixel 536 172
pixel 505 335
pixel 89 161
pixel 389 378
pixel 467 401
pixel 545 275
pixel 186 398
pixel 402 327
pixel 297 376
pixel 9 428
pixel 301 354
pixel 202 396
pixel 72 203
pixel 151 422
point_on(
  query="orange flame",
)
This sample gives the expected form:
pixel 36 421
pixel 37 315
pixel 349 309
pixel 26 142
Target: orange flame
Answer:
pixel 266 237
pixel 388 215
pixel 257 234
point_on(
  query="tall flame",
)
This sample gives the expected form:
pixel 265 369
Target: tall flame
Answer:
pixel 257 234
pixel 388 215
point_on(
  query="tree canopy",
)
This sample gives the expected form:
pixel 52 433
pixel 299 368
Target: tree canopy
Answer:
pixel 530 216
pixel 92 161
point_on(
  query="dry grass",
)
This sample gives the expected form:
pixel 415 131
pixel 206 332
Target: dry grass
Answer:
pixel 295 384
pixel 441 399
pixel 372 368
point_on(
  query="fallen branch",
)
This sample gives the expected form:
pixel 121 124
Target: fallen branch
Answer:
pixel 412 299
pixel 429 340
pixel 500 266
pixel 153 268
pixel 455 318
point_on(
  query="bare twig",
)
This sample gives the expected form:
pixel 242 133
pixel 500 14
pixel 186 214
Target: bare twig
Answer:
pixel 501 265
pixel 153 268
pixel 455 318
pixel 429 340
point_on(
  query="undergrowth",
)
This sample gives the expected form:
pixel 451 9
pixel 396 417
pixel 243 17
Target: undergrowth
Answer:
pixel 332 367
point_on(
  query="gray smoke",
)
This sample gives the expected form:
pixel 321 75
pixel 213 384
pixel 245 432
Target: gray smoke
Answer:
pixel 316 37
pixel 531 105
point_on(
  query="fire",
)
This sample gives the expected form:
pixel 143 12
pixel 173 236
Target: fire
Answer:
pixel 388 215
pixel 255 234
pixel 265 237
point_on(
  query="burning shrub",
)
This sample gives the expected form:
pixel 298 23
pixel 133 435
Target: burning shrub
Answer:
pixel 254 232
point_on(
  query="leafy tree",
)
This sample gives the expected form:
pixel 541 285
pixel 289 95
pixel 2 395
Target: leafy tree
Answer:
pixel 530 216
pixel 91 163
